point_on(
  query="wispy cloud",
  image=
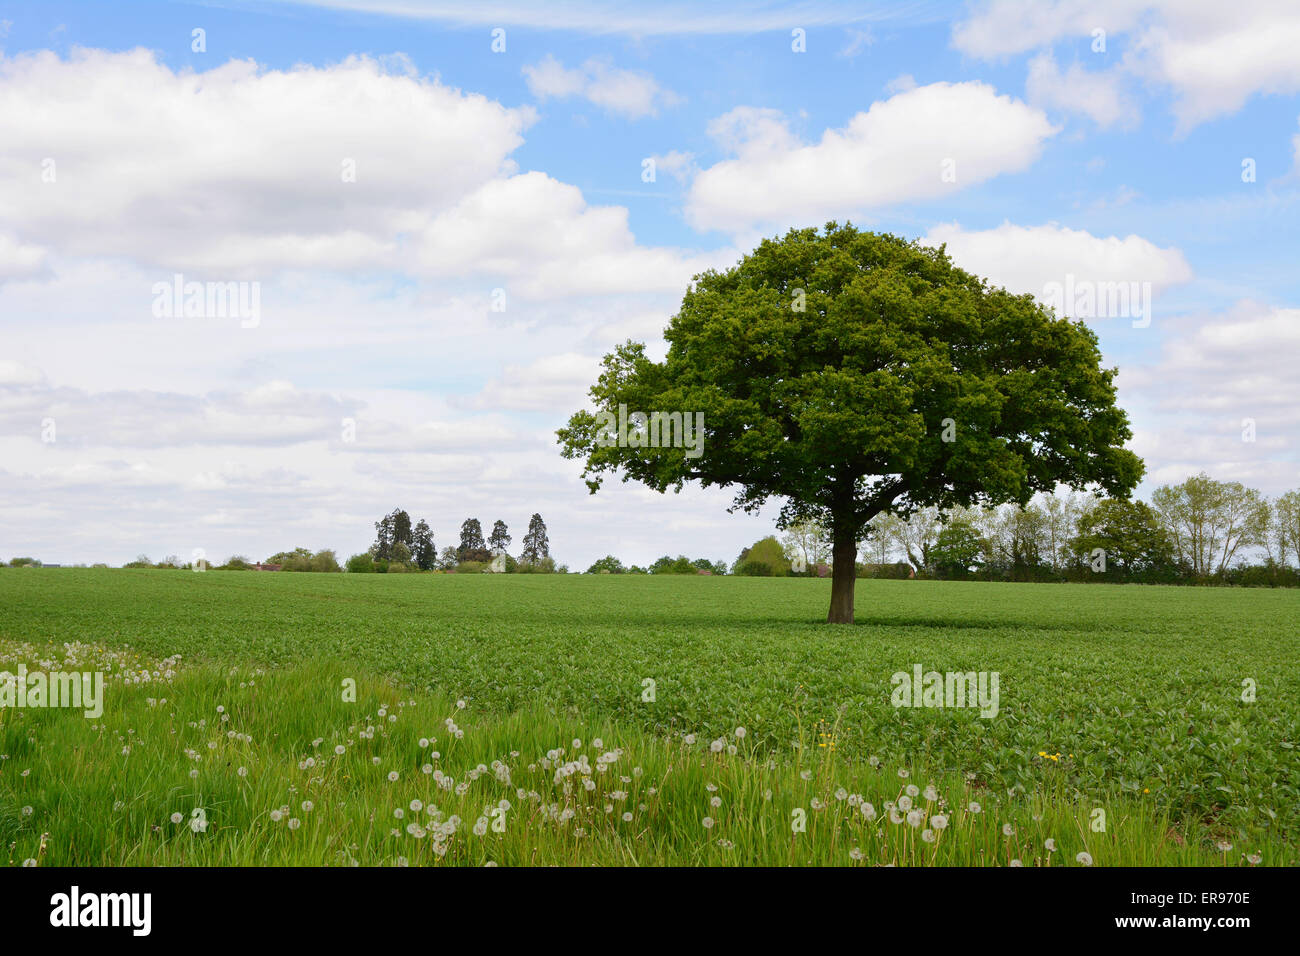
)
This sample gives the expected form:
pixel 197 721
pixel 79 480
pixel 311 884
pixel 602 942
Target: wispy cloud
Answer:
pixel 645 19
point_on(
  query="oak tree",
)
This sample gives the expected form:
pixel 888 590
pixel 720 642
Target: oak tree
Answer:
pixel 851 373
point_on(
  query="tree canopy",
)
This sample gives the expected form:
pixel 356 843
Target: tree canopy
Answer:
pixel 499 540
pixel 851 373
pixel 537 545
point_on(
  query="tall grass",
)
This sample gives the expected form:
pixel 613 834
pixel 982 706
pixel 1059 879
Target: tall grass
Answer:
pixel 211 765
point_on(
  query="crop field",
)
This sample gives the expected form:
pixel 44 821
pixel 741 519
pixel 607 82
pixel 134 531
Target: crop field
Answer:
pixel 620 719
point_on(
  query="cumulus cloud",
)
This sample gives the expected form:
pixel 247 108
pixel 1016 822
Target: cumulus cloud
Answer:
pixel 1095 94
pixel 274 414
pixel 681 166
pixel 238 169
pixel 19 260
pixel 15 374
pixel 630 93
pixel 542 235
pixel 997 28
pixel 1214 374
pixel 1026 258
pixel 240 172
pixel 919 144
pixel 1214 56
pixel 901 83
pixel 553 382
pixel 1240 359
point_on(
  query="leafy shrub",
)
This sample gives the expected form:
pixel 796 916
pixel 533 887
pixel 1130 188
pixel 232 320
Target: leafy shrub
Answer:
pixel 1267 575
pixel 325 561
pixel 544 566
pixel 302 559
pixel 361 564
pixel 765 551
pixel 678 565
pixel 893 571
pixel 957 550
pixel 299 559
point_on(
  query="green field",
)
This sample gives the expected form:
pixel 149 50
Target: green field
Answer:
pixel 1123 698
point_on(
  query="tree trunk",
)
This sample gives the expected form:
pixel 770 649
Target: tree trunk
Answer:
pixel 843 574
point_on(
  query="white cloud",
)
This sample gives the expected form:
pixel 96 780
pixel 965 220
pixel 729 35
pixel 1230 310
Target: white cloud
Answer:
pixel 667 17
pixel 630 93
pixel 1097 95
pixel 998 28
pixel 238 173
pixel 1248 353
pixel 14 373
pixel 753 130
pixel 901 84
pixel 859 40
pixel 551 383
pixel 1213 55
pixel 1216 56
pixel 237 170
pixel 1213 373
pixel 275 414
pixel 679 165
pixel 1026 258
pixel 542 235
pixel 19 260
pixel 899 150
pixel 550 78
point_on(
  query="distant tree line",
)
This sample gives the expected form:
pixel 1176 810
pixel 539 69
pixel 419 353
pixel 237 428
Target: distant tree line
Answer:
pixel 299 559
pixel 400 547
pixel 1201 531
pixel 665 565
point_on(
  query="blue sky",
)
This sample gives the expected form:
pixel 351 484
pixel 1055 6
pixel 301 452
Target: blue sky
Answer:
pixel 522 170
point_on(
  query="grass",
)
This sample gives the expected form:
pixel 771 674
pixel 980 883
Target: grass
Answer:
pixel 1125 699
pixel 169 777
